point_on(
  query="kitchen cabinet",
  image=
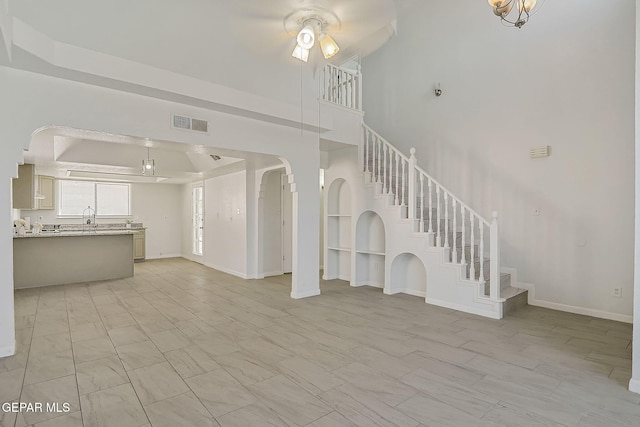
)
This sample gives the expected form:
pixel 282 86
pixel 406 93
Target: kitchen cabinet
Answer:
pixel 24 187
pixel 139 252
pixel 47 192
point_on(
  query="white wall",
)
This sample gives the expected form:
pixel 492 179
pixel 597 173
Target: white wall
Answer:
pixel 566 79
pixel 157 206
pixel 225 223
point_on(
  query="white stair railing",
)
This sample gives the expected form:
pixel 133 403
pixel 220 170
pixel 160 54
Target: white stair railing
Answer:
pixel 408 185
pixel 341 86
pixel 390 174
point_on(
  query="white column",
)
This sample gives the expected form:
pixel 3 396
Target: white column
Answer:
pixel 7 325
pixel 306 227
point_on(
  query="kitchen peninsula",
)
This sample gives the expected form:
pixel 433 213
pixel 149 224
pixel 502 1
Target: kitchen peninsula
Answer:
pixel 73 256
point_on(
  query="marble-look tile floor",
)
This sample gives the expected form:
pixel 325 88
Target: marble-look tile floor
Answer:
pixel 180 344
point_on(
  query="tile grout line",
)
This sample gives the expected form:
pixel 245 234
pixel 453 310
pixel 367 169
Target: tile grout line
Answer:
pixel 73 356
pixel 118 354
pixel 35 318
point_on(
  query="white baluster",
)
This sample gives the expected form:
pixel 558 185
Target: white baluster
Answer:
pixel 472 274
pixel 481 250
pixel 404 183
pixel 359 95
pixel 412 202
pixel 385 181
pixel 438 234
pixel 421 203
pixel 454 255
pixel 430 206
pixel 397 176
pixel 446 219
pixel 464 249
pixel 379 160
pixel 366 149
pixel 353 91
pixel 390 173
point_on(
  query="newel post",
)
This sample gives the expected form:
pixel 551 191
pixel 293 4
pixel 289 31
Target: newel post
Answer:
pixel 494 265
pixel 411 203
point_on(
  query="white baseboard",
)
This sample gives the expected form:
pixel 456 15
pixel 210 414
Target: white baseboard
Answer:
pixel 227 270
pixel 367 283
pixel 272 273
pixel 634 385
pixel 163 256
pixel 532 300
pixel 8 350
pixel 311 293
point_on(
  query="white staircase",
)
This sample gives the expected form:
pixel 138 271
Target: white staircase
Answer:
pixel 389 224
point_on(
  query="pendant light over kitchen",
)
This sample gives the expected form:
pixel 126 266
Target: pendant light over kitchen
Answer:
pixel 148 165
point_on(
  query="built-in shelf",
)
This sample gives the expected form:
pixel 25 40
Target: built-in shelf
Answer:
pixel 338 231
pixel 371 252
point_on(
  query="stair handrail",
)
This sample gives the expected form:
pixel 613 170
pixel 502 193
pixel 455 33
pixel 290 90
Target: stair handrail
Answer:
pixel 460 202
pixel 379 159
pixel 342 86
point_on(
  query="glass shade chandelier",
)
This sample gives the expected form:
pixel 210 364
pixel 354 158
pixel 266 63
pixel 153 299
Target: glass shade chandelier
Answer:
pixel 148 165
pixel 314 27
pixel 503 9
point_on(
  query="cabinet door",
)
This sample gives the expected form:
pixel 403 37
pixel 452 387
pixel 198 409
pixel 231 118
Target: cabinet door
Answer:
pixel 139 245
pixel 46 189
pixel 24 190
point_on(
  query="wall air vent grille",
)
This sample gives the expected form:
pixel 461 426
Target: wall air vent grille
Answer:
pixel 199 125
pixel 188 123
pixel 538 152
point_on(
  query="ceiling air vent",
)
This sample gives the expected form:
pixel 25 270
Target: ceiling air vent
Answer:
pixel 215 157
pixel 188 123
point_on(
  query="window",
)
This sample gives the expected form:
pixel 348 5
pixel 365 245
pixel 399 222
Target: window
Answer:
pixel 108 199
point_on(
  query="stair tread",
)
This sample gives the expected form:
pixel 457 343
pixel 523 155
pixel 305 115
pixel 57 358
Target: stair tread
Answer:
pixel 511 292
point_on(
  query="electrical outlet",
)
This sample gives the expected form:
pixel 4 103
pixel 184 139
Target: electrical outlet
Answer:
pixel 617 292
pixel 375 266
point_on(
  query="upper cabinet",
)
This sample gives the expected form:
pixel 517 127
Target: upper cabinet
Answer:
pixel 24 187
pixel 31 191
pixel 46 192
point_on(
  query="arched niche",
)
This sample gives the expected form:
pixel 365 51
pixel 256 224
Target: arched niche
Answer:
pixel 339 198
pixel 408 275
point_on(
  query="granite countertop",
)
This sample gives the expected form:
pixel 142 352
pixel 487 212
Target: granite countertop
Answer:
pixel 79 233
pixel 76 230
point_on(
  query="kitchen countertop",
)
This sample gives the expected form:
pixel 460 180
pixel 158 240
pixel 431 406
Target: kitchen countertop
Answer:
pixel 80 233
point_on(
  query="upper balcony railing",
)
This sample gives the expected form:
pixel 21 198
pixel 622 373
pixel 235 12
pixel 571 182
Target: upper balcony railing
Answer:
pixel 341 86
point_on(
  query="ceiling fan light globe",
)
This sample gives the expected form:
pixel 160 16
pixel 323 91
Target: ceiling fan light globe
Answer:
pixel 328 46
pixel 306 37
pixel 300 53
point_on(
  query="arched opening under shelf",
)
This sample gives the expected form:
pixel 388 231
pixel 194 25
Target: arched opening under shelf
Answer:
pixel 408 275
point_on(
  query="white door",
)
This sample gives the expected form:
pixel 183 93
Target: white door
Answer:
pixel 198 220
pixel 287 226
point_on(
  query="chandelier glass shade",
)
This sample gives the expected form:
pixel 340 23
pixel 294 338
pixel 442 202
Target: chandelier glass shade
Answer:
pixel 503 9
